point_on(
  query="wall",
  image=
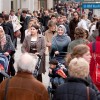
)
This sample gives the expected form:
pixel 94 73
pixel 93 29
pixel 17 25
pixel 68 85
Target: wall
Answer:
pixel 49 4
pixel 6 5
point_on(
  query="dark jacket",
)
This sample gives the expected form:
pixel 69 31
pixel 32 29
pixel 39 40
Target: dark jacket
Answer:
pixel 74 89
pixel 8 28
pixel 23 86
pixel 72 25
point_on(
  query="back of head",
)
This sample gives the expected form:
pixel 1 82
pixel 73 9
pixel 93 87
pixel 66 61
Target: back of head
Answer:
pixel 27 63
pixel 79 33
pixel 79 68
pixel 80 50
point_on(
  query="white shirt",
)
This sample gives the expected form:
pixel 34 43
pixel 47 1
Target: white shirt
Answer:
pixel 83 24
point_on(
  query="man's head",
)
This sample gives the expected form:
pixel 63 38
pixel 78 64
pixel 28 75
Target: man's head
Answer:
pixel 76 15
pixel 27 63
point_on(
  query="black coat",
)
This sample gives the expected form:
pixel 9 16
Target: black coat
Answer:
pixel 74 89
pixel 72 25
pixel 8 28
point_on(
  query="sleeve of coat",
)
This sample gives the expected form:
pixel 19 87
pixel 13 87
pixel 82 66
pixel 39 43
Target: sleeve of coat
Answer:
pixel 43 46
pixel 24 46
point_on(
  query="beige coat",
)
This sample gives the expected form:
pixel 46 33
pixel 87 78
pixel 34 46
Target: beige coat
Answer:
pixel 48 37
pixel 40 49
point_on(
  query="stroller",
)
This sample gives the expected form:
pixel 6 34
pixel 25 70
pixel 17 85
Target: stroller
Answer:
pixel 36 71
pixel 57 78
pixel 4 62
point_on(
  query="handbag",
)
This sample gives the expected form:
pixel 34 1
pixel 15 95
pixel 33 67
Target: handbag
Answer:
pixel 97 62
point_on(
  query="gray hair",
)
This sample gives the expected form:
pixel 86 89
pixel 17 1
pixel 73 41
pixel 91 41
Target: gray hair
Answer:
pixel 27 63
pixel 78 67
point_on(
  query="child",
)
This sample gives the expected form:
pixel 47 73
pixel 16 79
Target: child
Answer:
pixel 56 73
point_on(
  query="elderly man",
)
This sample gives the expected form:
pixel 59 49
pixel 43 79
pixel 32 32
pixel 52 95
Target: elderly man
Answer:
pixel 23 86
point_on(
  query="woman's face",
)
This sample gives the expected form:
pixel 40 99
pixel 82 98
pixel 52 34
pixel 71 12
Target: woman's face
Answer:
pixel 87 56
pixel 60 31
pixel 33 31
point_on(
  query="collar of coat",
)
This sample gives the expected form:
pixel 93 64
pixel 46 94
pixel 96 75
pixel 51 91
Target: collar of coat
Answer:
pixel 77 80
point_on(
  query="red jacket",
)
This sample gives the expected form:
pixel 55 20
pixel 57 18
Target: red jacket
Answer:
pixel 92 63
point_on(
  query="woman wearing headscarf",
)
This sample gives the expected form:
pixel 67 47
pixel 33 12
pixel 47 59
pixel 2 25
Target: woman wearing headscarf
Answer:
pixel 7 49
pixel 59 44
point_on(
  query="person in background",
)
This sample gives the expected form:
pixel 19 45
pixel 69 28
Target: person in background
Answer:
pixel 95 33
pixel 35 44
pixel 24 19
pixel 73 24
pixel 59 44
pixel 76 87
pixel 7 49
pixel 49 34
pixel 80 38
pixel 24 86
pixel 95 52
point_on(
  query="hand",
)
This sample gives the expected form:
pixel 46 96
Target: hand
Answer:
pixel 56 52
pixel 49 44
pixel 37 53
pixel 50 71
pixel 6 53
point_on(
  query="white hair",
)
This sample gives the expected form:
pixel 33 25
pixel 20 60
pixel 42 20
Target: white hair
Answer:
pixel 27 63
pixel 78 67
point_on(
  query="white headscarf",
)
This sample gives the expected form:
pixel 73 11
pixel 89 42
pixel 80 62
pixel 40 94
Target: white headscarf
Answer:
pixel 63 27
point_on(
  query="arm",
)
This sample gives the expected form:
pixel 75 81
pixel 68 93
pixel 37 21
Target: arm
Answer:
pixel 24 46
pixel 42 51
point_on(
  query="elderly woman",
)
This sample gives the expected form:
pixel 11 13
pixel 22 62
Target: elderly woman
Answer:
pixel 35 44
pixel 76 87
pixel 59 44
pixel 83 51
pixel 7 48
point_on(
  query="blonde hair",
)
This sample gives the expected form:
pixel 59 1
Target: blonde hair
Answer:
pixel 78 67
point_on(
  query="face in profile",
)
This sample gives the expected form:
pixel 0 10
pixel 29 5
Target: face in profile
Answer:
pixel 87 56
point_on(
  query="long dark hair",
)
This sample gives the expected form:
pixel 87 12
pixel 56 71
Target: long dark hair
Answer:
pixel 98 27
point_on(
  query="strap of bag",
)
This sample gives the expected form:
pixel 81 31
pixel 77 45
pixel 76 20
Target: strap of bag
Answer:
pixel 94 47
pixel 88 96
pixel 6 89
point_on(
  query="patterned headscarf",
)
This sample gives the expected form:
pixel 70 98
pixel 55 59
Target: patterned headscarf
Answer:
pixel 2 37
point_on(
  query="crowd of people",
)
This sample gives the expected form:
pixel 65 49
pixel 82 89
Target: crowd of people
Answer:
pixel 71 40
